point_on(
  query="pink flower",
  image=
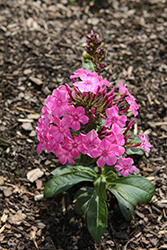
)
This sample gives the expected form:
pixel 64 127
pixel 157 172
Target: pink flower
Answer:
pixel 57 102
pixel 106 152
pixel 80 73
pixel 125 165
pixel 125 91
pixel 60 131
pixel 75 146
pixel 133 105
pixel 91 141
pixel 77 116
pixel 113 118
pixel 118 141
pixel 103 81
pixel 47 116
pixel 89 83
pixel 145 144
pixel 46 141
pixel 64 155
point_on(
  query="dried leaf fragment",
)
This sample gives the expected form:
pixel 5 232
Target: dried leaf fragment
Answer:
pixel 17 219
pixel 27 126
pixel 8 191
pixel 34 174
pixel 36 80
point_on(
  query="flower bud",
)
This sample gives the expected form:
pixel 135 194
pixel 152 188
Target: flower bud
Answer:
pixel 92 110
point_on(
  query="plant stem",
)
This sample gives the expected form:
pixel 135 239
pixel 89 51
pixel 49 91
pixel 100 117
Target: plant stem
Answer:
pixel 100 171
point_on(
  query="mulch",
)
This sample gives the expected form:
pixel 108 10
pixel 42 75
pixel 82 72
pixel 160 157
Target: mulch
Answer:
pixel 41 45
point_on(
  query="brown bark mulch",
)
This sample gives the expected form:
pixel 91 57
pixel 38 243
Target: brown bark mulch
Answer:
pixel 41 45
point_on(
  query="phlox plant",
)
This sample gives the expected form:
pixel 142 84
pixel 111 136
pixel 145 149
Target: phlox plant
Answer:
pixel 85 125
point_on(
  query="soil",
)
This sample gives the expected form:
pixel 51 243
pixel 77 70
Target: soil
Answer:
pixel 41 45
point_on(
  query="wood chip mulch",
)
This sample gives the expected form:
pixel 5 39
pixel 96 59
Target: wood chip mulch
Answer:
pixel 41 45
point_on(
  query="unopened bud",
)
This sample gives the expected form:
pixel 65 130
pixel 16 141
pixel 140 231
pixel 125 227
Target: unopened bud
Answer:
pixel 127 136
pixel 103 91
pixel 92 110
pixel 76 90
pixel 130 124
pixel 110 92
pixel 68 87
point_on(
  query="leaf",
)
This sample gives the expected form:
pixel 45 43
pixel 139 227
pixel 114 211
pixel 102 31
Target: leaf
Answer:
pixel 88 56
pixel 129 190
pixel 109 174
pixel 60 183
pixel 131 151
pixel 134 138
pixel 125 207
pixel 88 64
pixel 68 168
pixel 96 216
pixel 81 199
pixel 100 185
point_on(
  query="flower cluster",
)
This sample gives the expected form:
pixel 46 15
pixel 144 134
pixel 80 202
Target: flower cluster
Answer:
pixel 89 120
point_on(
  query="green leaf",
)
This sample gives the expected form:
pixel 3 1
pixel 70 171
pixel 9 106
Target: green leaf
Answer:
pixel 109 174
pixel 125 207
pixel 134 138
pixel 131 151
pixel 82 198
pixel 88 64
pixel 68 168
pixel 62 182
pixel 72 2
pixel 129 190
pixel 88 56
pixel 100 185
pixel 96 216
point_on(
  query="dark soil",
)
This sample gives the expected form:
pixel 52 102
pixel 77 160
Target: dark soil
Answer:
pixel 41 45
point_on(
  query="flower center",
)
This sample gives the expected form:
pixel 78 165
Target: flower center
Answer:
pixel 59 103
pixel 61 129
pixel 88 82
pixel 75 117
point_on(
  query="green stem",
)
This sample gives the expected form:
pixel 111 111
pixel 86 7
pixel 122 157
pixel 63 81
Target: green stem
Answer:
pixel 100 171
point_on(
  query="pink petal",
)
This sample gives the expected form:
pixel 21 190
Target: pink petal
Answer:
pixel 101 162
pixel 118 167
pixel 83 119
pixel 75 125
pixel 124 172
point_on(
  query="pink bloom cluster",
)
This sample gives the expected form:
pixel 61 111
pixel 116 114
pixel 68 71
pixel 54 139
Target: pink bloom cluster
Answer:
pixel 87 120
